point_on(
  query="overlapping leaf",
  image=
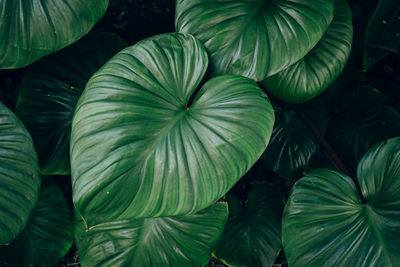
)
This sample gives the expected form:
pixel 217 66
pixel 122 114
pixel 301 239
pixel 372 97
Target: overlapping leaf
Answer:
pixel 140 148
pixel 50 91
pixel 325 222
pixel 48 235
pixel 252 235
pixel 168 241
pixel 30 30
pixel 19 176
pixel 312 74
pixel 293 142
pixel 255 38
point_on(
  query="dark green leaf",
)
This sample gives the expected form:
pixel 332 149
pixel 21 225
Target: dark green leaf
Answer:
pixel 293 142
pixel 50 91
pixel 168 241
pixel 48 235
pixel 255 38
pixel 383 31
pixel 30 30
pixel 326 224
pixel 252 235
pixel 352 138
pixel 19 176
pixel 139 149
pixel 312 74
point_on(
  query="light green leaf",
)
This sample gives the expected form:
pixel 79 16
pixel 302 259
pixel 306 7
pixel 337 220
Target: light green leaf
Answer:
pixel 167 241
pixel 325 222
pixel 48 235
pixel 312 74
pixel 255 38
pixel 140 149
pixel 252 235
pixel 383 30
pixel 30 29
pixel 19 176
pixel 50 91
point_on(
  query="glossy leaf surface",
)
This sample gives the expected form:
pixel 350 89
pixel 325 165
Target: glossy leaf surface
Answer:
pixel 252 235
pixel 50 91
pixel 383 31
pixel 312 74
pixel 140 149
pixel 167 241
pixel 19 176
pixel 48 235
pixel 30 30
pixel 326 224
pixel 293 142
pixel 255 38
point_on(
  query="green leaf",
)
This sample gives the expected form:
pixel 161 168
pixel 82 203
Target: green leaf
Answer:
pixel 383 30
pixel 325 222
pixel 312 74
pixel 255 38
pixel 48 235
pixel 140 149
pixel 167 241
pixel 292 142
pixel 30 30
pixel 50 91
pixel 352 138
pixel 19 176
pixel 252 235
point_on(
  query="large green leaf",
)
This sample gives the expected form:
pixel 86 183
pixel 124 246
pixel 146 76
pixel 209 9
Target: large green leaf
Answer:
pixel 312 74
pixel 325 222
pixel 30 30
pixel 252 235
pixel 50 91
pixel 48 235
pixel 168 241
pixel 139 148
pixel 293 142
pixel 254 38
pixel 383 31
pixel 19 176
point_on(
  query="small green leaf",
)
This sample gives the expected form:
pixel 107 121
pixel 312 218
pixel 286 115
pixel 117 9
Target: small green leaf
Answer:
pixel 167 241
pixel 326 224
pixel 48 235
pixel 30 30
pixel 292 142
pixel 255 38
pixel 140 147
pixel 19 176
pixel 312 74
pixel 50 91
pixel 252 235
pixel 383 30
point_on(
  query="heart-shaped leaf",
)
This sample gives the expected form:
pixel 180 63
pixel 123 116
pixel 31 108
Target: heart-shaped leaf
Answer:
pixel 19 176
pixel 140 148
pixel 312 74
pixel 325 222
pixel 50 91
pixel 30 30
pixel 383 30
pixel 293 142
pixel 48 235
pixel 168 241
pixel 255 38
pixel 252 235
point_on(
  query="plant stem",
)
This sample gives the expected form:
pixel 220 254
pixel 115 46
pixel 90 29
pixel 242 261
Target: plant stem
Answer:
pixel 337 162
pixel 327 147
pixel 381 47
